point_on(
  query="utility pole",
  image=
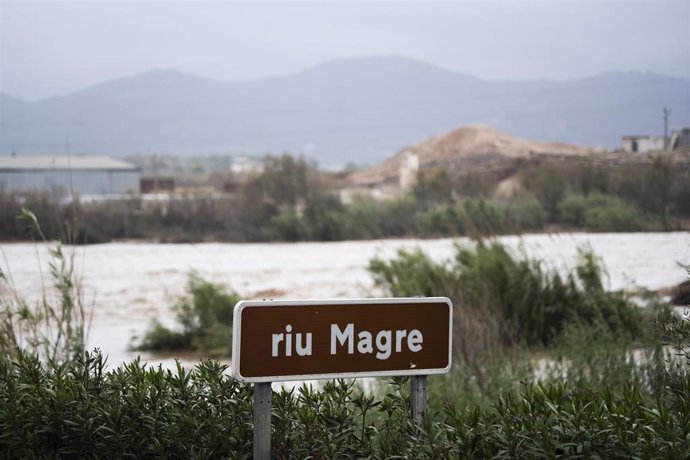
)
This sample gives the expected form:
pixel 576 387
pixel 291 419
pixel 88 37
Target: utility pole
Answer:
pixel 667 112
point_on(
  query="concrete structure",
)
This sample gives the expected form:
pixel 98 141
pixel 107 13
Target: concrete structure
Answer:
pixel 86 175
pixel 157 184
pixel 409 171
pixel 242 165
pixel 642 143
pixel 679 138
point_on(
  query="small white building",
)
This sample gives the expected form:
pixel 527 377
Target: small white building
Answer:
pixel 679 138
pixel 242 165
pixel 84 174
pixel 642 143
pixel 409 171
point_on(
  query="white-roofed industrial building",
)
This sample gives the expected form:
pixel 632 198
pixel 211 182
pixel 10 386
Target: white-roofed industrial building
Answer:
pixel 82 174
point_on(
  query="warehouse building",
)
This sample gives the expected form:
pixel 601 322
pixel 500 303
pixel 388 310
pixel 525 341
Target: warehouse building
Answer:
pixel 84 174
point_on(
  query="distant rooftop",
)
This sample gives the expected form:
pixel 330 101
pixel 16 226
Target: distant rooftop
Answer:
pixel 74 162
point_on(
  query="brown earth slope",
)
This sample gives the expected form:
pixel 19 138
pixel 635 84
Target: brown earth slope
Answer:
pixel 464 150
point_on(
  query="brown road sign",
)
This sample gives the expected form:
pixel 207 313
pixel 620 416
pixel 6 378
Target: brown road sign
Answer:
pixel 318 339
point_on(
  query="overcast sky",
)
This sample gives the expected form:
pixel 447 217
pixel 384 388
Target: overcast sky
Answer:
pixel 54 47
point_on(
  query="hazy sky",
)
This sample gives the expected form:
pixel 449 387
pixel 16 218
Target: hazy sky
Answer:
pixel 53 47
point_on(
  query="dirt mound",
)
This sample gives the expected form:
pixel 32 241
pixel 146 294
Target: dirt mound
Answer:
pixel 474 146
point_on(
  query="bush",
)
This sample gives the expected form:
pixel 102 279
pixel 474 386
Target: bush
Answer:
pixel 680 294
pixel 441 220
pixel 88 412
pixel 288 226
pixel 204 320
pixel 600 213
pixel 397 217
pixel 572 210
pixel 484 217
pixel 607 361
pixel 547 182
pixel 362 220
pixel 560 421
pixel 526 213
pixel 609 408
pixel 532 305
pixel 619 217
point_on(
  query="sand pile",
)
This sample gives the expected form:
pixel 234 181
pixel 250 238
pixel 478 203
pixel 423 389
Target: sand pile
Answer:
pixel 465 143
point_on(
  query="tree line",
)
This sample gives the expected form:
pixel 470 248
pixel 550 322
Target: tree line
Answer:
pixel 291 200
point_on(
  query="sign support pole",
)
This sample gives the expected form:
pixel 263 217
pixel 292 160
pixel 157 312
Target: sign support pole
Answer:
pixel 418 397
pixel 262 420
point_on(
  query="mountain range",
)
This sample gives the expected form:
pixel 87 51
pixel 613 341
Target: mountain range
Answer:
pixel 353 110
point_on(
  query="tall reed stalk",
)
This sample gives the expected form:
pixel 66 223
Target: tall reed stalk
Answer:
pixel 55 326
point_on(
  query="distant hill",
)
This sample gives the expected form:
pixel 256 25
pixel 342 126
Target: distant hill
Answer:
pixel 357 110
pixel 463 150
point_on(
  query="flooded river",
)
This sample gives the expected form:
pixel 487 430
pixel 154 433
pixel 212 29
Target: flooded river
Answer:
pixel 130 283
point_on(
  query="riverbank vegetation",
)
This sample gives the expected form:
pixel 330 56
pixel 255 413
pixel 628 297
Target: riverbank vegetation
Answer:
pixel 86 411
pixel 502 300
pixel 54 326
pixel 290 200
pixel 203 320
pixel 609 378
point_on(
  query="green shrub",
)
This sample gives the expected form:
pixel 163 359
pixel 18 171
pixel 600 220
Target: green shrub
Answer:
pixel 571 210
pixel 607 361
pixel 288 226
pixel 433 188
pixel 328 226
pixel 362 220
pixel 607 408
pixel 526 213
pixel 204 320
pixel 680 294
pixel 620 217
pixel 441 220
pixel 484 217
pixel 466 385
pixel 532 305
pixel 397 217
pixel 563 421
pixel 135 411
pixel 548 183
pixel 598 212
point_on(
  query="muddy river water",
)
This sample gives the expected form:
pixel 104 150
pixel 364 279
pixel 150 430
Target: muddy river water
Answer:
pixel 130 283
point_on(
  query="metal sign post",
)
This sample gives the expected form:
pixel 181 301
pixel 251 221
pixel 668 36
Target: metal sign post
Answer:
pixel 418 397
pixel 262 420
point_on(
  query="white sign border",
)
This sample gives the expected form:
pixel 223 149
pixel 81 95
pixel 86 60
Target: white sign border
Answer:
pixel 237 322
